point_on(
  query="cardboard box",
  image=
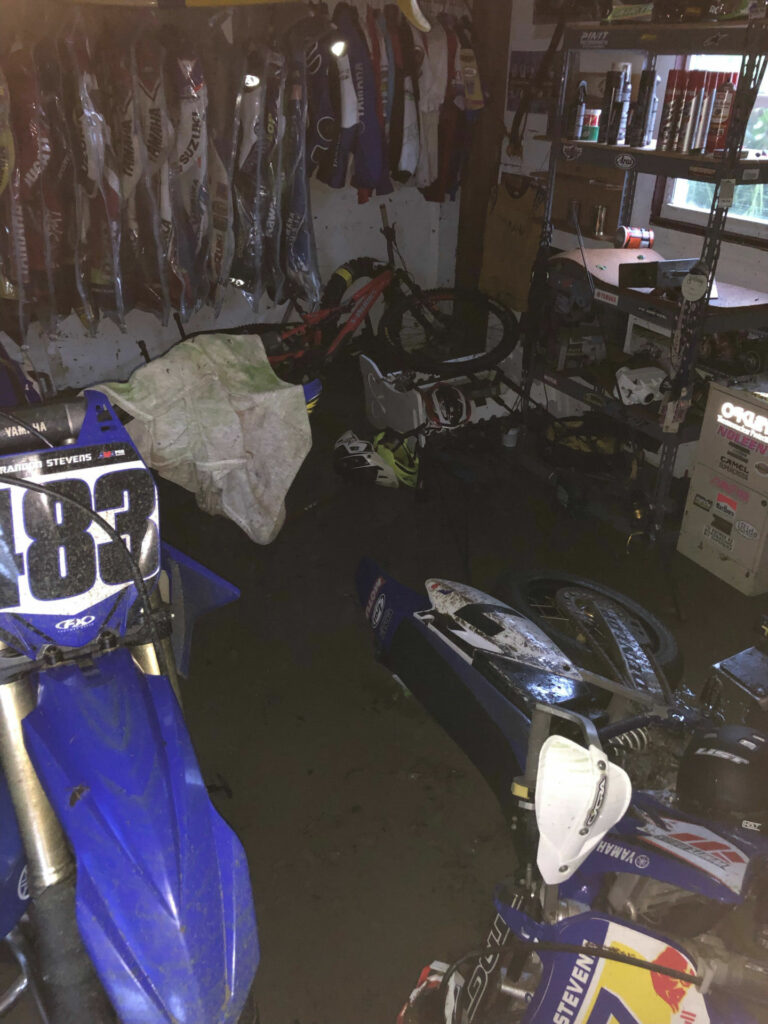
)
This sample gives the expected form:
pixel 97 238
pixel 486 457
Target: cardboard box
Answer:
pixel 734 436
pixel 725 529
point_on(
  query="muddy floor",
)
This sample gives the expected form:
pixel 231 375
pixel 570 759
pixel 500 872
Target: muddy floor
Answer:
pixel 374 845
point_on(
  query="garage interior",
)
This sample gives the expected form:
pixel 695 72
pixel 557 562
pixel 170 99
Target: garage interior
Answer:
pixel 617 438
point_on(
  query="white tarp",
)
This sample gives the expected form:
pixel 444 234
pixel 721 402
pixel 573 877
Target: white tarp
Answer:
pixel 212 416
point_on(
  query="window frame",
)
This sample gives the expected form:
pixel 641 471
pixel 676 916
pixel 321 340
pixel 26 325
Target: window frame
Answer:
pixel 695 222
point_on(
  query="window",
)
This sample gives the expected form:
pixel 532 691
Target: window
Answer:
pixel 688 202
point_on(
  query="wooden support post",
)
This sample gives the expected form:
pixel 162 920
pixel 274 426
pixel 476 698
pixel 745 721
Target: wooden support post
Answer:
pixel 492 20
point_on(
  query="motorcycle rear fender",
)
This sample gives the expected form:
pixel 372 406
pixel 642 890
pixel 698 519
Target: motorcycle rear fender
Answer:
pixel 164 902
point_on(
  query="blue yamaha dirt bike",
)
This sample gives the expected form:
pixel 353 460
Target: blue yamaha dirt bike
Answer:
pixel 626 908
pixel 123 895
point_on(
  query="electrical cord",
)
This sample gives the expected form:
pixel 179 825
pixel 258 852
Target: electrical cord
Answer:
pixel 587 949
pixel 26 426
pixel 111 532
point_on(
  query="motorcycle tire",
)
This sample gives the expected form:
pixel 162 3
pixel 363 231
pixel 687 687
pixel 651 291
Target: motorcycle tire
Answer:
pixel 440 331
pixel 533 594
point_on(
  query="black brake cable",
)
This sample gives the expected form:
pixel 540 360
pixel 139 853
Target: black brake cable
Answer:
pixel 587 949
pixel 111 532
pixel 27 427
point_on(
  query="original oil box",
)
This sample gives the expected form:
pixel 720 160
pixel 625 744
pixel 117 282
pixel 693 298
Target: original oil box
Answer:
pixel 725 526
pixel 734 436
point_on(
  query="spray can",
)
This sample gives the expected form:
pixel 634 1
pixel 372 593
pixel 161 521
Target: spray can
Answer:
pixel 687 92
pixel 579 111
pixel 643 110
pixel 624 101
pixel 633 238
pixel 690 110
pixel 650 122
pixel 704 115
pixel 613 85
pixel 669 109
pixel 722 110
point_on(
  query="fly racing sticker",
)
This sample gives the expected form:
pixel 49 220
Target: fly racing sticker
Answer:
pixel 625 162
pixel 701 502
pixel 746 529
pixel 607 297
pixel 701 848
pixel 373 595
pixel 378 610
pixel 22 886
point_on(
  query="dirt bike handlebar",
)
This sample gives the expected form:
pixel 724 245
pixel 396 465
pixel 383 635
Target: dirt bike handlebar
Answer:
pixel 49 423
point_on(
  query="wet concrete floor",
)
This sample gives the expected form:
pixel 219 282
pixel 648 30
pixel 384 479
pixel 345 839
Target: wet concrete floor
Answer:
pixel 374 845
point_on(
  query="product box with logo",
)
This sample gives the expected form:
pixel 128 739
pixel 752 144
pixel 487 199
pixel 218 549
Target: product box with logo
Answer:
pixel 725 526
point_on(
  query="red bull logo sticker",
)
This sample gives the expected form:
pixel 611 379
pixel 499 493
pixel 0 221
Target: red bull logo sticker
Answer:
pixel 608 992
pixel 705 850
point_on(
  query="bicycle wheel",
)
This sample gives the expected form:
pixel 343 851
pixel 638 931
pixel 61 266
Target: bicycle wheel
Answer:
pixel 534 594
pixel 448 331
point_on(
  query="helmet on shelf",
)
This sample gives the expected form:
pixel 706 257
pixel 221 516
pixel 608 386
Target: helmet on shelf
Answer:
pixel 723 775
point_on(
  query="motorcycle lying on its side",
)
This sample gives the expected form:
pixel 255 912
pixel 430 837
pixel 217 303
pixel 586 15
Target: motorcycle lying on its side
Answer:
pixel 124 896
pixel 651 848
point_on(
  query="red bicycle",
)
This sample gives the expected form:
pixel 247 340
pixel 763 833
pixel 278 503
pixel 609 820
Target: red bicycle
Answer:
pixel 440 330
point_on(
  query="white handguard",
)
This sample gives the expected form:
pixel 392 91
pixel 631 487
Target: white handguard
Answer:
pixel 580 796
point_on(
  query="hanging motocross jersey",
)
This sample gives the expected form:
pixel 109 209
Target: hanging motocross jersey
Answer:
pixel 155 218
pixel 432 85
pixel 58 182
pixel 409 153
pixel 28 225
pixel 97 186
pixel 299 250
pixel 224 98
pixel 189 177
pixel 323 127
pixel 364 141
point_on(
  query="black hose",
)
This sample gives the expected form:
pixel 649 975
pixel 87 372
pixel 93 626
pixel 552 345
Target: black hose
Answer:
pixel 587 949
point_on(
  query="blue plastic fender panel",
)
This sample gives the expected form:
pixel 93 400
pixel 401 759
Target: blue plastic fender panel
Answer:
pixel 164 900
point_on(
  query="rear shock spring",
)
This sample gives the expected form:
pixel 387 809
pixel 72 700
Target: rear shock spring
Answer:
pixel 635 741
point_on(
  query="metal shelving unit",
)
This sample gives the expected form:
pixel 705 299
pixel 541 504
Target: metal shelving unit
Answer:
pixel 689 318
